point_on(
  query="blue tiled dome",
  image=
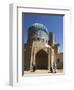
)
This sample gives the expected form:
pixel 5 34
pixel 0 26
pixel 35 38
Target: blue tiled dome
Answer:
pixel 38 31
pixel 38 26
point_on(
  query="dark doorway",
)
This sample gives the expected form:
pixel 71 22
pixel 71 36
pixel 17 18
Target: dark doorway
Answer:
pixel 41 60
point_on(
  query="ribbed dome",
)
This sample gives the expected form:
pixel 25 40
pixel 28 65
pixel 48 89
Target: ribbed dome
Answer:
pixel 37 31
pixel 38 26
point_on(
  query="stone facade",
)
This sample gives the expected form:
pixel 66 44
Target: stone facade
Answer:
pixel 41 50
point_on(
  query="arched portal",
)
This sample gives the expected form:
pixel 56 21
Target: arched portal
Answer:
pixel 41 60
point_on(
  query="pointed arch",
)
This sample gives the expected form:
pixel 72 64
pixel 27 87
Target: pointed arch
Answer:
pixel 41 59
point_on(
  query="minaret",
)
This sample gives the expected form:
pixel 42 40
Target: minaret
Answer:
pixel 51 38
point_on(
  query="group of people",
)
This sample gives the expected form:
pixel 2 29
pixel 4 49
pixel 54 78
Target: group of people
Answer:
pixel 52 69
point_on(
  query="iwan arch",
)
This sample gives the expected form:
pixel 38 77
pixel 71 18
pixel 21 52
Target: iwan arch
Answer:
pixel 41 50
